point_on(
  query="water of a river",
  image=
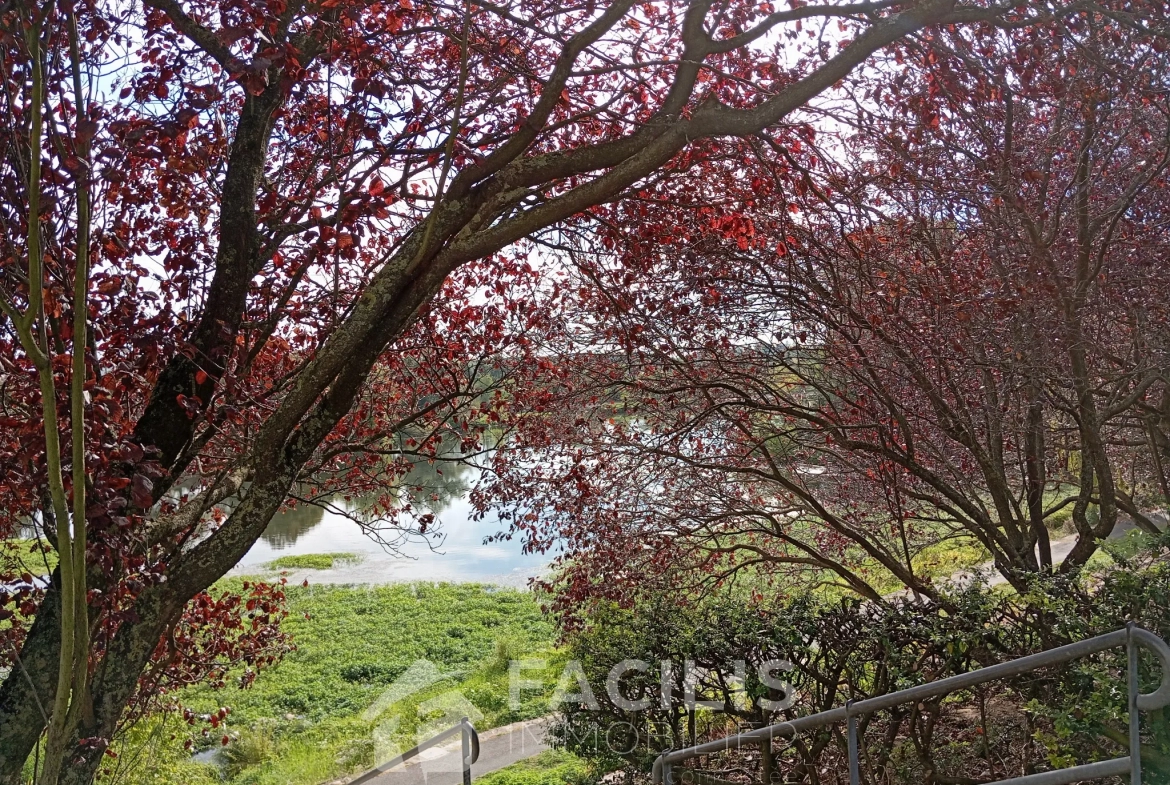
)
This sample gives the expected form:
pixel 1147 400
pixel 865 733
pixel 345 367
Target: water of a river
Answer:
pixel 459 555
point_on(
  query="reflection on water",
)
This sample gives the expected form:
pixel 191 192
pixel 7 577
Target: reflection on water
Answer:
pixel 287 527
pixel 436 485
pixel 455 551
pixel 426 488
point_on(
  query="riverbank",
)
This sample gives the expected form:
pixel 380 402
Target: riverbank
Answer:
pixel 378 568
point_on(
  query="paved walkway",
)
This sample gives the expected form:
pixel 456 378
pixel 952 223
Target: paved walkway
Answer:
pixel 498 748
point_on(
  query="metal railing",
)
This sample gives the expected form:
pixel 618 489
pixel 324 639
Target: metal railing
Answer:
pixel 1131 637
pixel 470 752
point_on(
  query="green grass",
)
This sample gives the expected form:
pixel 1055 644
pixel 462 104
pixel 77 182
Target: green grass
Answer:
pixel 1112 553
pixel 553 767
pixel 305 720
pixel 938 561
pixel 153 753
pixel 25 558
pixel 312 561
pixel 947 558
pixel 36 557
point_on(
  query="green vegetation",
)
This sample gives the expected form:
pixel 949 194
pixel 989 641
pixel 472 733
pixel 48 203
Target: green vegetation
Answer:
pixel 312 561
pixel 1060 521
pixel 36 557
pixel 309 719
pixel 553 767
pixel 24 559
pixel 938 561
pixel 153 753
pixel 1076 715
pixel 1134 544
pixel 948 555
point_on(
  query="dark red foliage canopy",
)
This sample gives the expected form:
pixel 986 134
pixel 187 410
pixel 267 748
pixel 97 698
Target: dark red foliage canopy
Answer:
pixel 324 246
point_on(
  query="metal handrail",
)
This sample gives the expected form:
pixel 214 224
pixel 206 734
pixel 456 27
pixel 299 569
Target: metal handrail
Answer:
pixel 1131 636
pixel 470 752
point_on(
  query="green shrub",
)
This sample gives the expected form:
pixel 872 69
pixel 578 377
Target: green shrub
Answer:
pixel 35 556
pixel 843 649
pixel 250 748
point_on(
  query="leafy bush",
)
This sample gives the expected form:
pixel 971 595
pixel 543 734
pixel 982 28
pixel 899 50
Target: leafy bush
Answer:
pixel 252 747
pixel 37 557
pixel 848 649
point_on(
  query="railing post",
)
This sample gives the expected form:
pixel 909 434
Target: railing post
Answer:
pixel 1135 718
pixel 465 737
pixel 766 760
pixel 851 722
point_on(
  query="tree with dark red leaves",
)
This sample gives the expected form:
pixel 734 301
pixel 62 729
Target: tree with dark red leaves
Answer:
pixel 249 242
pixel 941 317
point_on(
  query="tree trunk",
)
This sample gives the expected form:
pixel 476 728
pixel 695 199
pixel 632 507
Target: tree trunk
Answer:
pixel 1034 468
pixel 26 696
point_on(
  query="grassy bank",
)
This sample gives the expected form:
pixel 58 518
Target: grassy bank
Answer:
pixel 309 719
pixel 552 767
